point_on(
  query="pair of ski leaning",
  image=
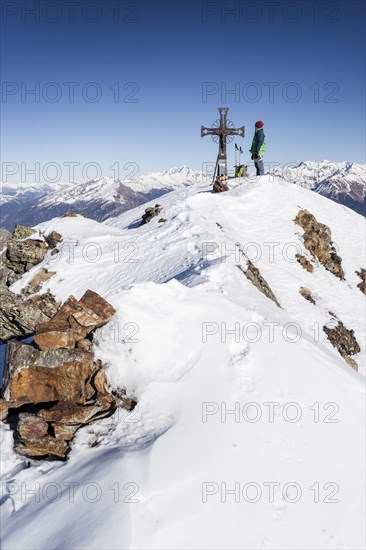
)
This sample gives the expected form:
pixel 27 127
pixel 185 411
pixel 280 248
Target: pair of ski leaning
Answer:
pixel 257 150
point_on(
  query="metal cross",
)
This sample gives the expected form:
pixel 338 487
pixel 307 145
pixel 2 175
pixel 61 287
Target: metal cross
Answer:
pixel 222 131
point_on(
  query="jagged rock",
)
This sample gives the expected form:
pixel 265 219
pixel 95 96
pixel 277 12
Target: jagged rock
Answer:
pixel 362 284
pixel 47 304
pixel 305 292
pixel 23 255
pixel 306 264
pixel 53 239
pixel 318 241
pixel 84 344
pixel 5 407
pixel 67 413
pixel 23 232
pixel 5 235
pixel 219 186
pixel 19 317
pixel 74 321
pixel 32 376
pixel 65 432
pixel 150 213
pixel 37 447
pixel 37 281
pixel 253 274
pixel 344 341
pixel 31 426
pixel 100 382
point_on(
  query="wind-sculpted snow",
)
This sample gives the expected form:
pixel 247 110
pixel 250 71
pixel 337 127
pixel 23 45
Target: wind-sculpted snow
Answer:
pixel 248 431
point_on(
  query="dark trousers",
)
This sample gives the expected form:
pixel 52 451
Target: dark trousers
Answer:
pixel 259 167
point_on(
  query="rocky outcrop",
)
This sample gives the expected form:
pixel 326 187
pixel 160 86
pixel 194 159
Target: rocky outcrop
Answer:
pixel 362 284
pixel 33 376
pixel 75 320
pixel 23 253
pixel 48 394
pixel 306 264
pixel 20 317
pixel 150 213
pixel 254 275
pixel 344 341
pixel 305 293
pixel 318 241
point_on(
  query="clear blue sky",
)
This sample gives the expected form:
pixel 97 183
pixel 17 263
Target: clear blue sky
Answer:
pixel 298 66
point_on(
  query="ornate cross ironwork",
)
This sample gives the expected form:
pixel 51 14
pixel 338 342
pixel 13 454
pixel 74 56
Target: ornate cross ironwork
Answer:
pixel 223 131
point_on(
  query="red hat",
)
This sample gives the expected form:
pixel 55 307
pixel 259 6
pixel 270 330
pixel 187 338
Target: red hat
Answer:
pixel 259 124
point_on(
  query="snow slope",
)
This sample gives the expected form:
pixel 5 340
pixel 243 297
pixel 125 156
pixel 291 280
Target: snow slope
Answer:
pixel 157 478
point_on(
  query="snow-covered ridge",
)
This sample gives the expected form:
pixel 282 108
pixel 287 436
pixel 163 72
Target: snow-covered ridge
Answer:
pixel 205 354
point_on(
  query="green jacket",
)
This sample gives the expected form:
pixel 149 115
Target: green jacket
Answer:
pixel 259 142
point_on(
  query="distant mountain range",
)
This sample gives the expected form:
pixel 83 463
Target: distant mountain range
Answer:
pixel 343 182
pixel 106 197
pixel 98 199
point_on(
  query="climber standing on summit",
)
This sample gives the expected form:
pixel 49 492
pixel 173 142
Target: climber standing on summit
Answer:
pixel 258 147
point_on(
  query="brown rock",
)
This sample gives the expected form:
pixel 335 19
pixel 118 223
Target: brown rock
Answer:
pixel 306 264
pixel 74 321
pixel 38 447
pixel 84 344
pixel 100 382
pixel 362 284
pixel 32 376
pixel 55 339
pixel 31 426
pixel 101 308
pixel 219 186
pixel 305 292
pixel 74 414
pixel 70 215
pixel 318 241
pixel 65 432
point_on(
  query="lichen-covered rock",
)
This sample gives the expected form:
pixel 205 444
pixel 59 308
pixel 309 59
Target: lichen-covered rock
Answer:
pixel 344 341
pixel 254 275
pixel 23 232
pixel 318 241
pixel 22 255
pixel 362 284
pixel 20 317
